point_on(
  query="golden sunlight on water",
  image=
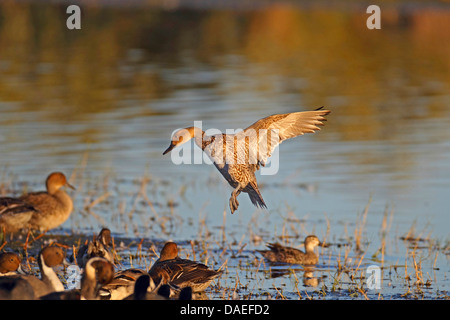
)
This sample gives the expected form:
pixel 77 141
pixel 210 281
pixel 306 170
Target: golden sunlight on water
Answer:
pixel 300 57
pixel 119 54
pixel 120 85
pixel 101 103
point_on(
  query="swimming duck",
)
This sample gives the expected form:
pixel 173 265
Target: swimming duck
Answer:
pixel 19 287
pixel 180 273
pixel 14 214
pixel 238 156
pixel 97 273
pixel 54 205
pixel 99 247
pixel 279 253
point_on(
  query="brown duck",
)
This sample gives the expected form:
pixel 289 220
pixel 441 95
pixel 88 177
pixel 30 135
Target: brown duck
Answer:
pixel 15 214
pixel 53 206
pixel 18 287
pixel 279 253
pixel 180 273
pixel 238 156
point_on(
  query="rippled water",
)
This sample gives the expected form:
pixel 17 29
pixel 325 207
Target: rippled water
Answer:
pixel 100 104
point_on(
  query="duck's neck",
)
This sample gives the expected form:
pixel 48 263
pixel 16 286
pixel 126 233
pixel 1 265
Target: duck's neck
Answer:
pixel 89 283
pixel 197 134
pixel 52 188
pixel 48 276
pixel 65 199
pixel 309 248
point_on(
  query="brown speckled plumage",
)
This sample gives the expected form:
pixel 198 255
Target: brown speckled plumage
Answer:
pixel 98 247
pixel 238 156
pixel 279 253
pixel 14 214
pixel 181 273
pixel 54 206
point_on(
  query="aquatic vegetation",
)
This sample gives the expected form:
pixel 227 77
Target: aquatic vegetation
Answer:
pixel 142 219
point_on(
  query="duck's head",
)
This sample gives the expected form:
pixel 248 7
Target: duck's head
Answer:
pixel 179 137
pixel 52 256
pixel 97 273
pixel 104 270
pixel 105 237
pixel 9 261
pixel 55 181
pixel 311 242
pixel 169 251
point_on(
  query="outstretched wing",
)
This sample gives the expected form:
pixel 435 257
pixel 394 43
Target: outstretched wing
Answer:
pixel 263 136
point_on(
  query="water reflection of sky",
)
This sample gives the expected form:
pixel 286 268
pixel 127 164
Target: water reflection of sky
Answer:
pixel 406 171
pixel 386 138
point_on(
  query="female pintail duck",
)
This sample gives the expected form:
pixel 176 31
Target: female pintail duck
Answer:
pixel 180 273
pixel 54 205
pixel 279 253
pixel 122 284
pixel 18 286
pixel 97 273
pixel 99 247
pixel 238 156
pixel 14 214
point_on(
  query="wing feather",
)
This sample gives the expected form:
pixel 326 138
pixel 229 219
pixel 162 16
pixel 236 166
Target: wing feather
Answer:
pixel 269 132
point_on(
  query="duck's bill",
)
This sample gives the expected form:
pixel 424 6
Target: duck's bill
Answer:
pixel 70 186
pixel 169 148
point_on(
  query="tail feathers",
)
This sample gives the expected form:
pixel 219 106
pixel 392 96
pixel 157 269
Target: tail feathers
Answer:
pixel 255 196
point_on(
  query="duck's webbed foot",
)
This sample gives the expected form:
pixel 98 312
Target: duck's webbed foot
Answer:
pixel 234 203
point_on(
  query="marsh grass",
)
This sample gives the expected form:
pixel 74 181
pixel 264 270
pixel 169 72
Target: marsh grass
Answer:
pixel 145 212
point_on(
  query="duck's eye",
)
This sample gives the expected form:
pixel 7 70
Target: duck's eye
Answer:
pixel 180 139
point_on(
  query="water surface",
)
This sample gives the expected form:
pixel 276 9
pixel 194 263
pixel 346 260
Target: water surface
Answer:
pixel 100 104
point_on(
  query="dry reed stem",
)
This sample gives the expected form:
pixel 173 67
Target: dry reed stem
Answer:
pixel 359 229
pixel 37 238
pixel 435 259
pixel 116 256
pixel 154 251
pixel 97 201
pixel 308 296
pixel 418 272
pixel 61 245
pixel 361 290
pixel 296 286
pixel 279 293
pixel 193 249
pixel 97 217
pixel 357 267
pixel 223 265
pixel 224 221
